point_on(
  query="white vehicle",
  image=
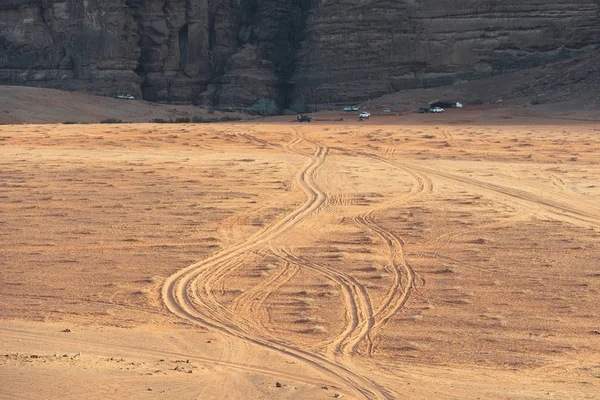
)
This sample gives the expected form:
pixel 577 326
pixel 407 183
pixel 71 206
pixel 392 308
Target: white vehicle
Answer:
pixel 387 110
pixel 350 108
pixel 125 97
pixel 436 110
pixel 364 115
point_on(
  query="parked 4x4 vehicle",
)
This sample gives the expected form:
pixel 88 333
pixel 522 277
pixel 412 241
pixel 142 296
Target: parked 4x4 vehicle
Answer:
pixel 350 108
pixel 303 118
pixel 125 97
pixel 364 115
pixel 436 110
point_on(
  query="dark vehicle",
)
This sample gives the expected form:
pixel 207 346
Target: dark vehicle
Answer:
pixel 303 118
pixel 423 110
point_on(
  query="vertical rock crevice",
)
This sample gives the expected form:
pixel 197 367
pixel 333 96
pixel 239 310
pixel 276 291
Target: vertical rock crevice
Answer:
pixel 183 48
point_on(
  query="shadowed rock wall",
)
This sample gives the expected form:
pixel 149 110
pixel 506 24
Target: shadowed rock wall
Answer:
pixel 231 52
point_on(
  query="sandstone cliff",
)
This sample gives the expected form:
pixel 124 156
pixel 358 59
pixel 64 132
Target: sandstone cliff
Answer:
pixel 230 52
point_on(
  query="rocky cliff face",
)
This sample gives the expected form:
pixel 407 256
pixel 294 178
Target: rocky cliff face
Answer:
pixel 231 52
pixel 90 45
pixel 376 47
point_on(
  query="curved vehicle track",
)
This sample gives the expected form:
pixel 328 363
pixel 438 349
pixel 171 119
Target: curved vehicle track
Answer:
pixel 573 213
pixel 251 302
pixel 359 310
pixel 185 296
pixel 398 293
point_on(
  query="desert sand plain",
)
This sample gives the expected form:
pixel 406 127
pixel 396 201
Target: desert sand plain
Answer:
pixel 446 256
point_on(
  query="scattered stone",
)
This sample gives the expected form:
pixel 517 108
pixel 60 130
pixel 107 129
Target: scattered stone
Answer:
pixel 66 330
pixel 149 389
pixel 595 332
pixel 278 384
pixel 190 372
pixel 337 396
pixel 209 341
pixel 324 387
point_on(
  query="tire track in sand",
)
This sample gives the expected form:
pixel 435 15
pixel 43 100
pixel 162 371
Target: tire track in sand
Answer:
pixel 180 295
pixel 251 302
pixel 578 215
pixel 359 310
pixel 398 294
pixel 363 322
pixel 18 334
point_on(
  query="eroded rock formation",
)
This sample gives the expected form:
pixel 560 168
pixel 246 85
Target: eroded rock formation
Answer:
pixel 231 52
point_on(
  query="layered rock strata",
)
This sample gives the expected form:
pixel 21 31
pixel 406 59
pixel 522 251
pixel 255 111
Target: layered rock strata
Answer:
pixel 231 52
